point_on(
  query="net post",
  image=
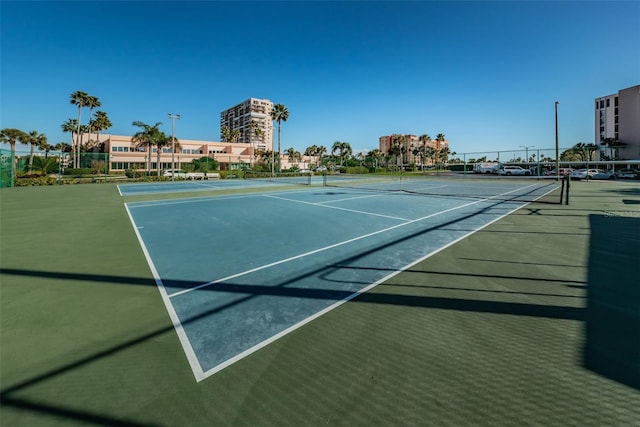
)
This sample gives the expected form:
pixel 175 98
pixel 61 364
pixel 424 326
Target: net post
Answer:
pixel 567 178
pixel 562 184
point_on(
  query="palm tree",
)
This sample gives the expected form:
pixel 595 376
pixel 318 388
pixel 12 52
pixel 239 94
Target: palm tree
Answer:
pixel 63 147
pixel 424 138
pixel 162 140
pixel 100 122
pixel 148 136
pixel 70 126
pixel 253 126
pixel 439 140
pixel 310 152
pixel 444 154
pixel 11 136
pixel 376 155
pixel 293 154
pixel 225 134
pixel 92 102
pixel 279 114
pixel 395 151
pixel 45 165
pixel 320 152
pixel 235 135
pixel 31 140
pixel 80 99
pixel 343 148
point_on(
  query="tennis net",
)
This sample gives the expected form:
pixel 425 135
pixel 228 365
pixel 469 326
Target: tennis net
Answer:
pixel 498 188
pixel 291 178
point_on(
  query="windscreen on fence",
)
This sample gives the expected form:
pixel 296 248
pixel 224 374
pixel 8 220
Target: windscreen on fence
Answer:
pixel 7 174
pixel 294 178
pixel 499 188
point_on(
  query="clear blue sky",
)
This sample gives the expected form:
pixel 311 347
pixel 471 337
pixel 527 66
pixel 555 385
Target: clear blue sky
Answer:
pixel 486 74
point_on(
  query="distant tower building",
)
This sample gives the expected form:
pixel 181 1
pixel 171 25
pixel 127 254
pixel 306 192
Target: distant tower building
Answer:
pixel 617 116
pixel 240 116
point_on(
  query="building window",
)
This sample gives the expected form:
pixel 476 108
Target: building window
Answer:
pixel 608 102
pixel 615 101
pixel 602 103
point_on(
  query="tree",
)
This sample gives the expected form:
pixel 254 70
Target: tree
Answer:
pixel 148 136
pixel 320 152
pixel 613 145
pixel 92 102
pixel 310 151
pixel 63 147
pixel 100 122
pixel 31 139
pixel 375 155
pixel 439 140
pixel 12 136
pixel 45 165
pixel 235 135
pixel 162 140
pixel 225 134
pixel 204 164
pixel 257 133
pixel 444 154
pixel 279 114
pixel 70 126
pixel 293 155
pixel 424 138
pixel 79 99
pixel 395 150
pixel 343 148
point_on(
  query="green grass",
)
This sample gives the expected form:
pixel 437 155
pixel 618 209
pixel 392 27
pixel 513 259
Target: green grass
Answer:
pixel 486 332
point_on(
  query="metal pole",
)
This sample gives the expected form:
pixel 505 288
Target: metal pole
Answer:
pixel 173 118
pixel 557 154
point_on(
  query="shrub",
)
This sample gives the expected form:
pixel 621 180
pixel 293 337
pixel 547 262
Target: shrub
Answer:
pixel 357 170
pixel 78 171
pixel 30 181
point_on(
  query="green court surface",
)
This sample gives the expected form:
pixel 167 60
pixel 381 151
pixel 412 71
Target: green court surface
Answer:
pixel 533 320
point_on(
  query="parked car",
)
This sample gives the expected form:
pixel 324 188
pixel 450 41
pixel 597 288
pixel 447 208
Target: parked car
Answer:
pixel 592 174
pixel 563 172
pixel 176 173
pixel 513 170
pixel 627 174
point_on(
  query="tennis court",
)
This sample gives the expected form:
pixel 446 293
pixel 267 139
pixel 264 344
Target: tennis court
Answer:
pixel 238 272
pixel 513 323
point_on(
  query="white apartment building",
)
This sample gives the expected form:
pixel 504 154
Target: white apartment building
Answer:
pixel 617 116
pixel 240 116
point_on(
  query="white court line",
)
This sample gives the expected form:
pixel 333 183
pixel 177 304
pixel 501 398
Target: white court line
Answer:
pixel 335 245
pixel 348 298
pixel 209 198
pixel 336 207
pixel 196 368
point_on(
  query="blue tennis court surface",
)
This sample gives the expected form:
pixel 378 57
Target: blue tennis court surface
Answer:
pixel 237 272
pixel 207 185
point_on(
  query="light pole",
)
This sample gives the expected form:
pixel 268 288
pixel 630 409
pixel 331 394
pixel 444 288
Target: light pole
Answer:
pixel 173 118
pixel 526 151
pixel 557 154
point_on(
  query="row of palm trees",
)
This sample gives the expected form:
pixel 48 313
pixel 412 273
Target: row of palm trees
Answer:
pixel 97 123
pixel 35 140
pixel 151 136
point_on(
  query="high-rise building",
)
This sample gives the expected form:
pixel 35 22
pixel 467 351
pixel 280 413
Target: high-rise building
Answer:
pixel 617 117
pixel 239 118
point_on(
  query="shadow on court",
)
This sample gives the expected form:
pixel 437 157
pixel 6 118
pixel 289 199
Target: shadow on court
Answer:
pixel 612 345
pixel 604 341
